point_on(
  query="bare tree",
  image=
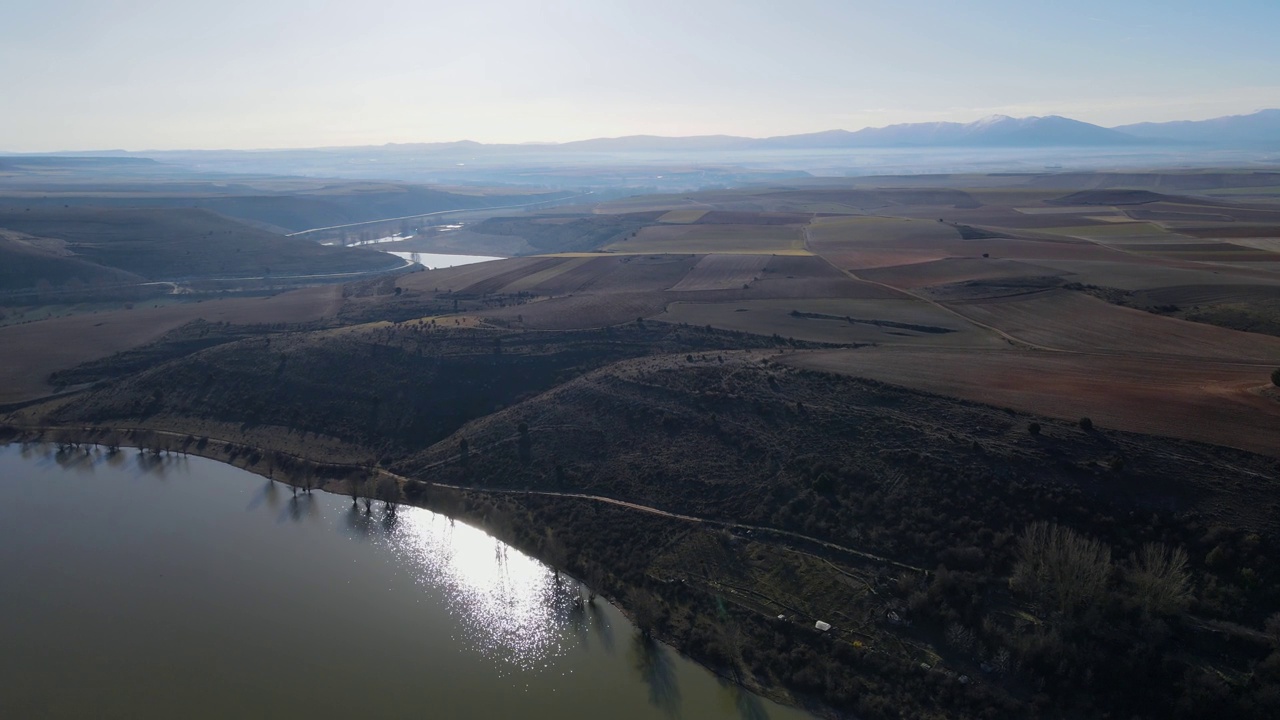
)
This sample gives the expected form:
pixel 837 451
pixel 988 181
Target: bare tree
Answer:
pixel 554 553
pixel 389 492
pixel 1061 567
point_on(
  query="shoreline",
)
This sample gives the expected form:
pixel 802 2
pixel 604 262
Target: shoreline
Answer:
pixel 772 694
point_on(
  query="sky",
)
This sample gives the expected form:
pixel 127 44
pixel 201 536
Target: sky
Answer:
pixel 145 74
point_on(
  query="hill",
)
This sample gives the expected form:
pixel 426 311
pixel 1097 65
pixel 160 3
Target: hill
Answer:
pixel 77 248
pixel 284 204
pixel 745 500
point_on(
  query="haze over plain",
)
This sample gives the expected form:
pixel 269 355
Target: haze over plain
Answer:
pixel 140 75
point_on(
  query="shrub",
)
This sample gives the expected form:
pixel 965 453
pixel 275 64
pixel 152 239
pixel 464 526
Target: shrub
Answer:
pixel 1086 424
pixel 1160 579
pixel 1275 377
pixel 1034 428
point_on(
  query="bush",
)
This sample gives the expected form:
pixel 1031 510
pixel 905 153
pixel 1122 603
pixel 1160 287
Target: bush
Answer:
pixel 1034 428
pixel 1275 377
pixel 1086 424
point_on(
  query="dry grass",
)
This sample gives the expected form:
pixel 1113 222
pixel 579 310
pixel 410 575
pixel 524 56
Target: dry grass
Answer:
pixel 953 270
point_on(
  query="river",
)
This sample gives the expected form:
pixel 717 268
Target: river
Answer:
pixel 136 586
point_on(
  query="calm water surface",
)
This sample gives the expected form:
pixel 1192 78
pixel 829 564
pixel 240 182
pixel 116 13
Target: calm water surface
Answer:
pixel 433 261
pixel 183 587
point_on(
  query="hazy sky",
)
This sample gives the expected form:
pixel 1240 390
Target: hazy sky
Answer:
pixel 138 74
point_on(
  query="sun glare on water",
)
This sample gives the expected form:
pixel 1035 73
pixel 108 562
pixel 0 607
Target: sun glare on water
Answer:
pixel 510 603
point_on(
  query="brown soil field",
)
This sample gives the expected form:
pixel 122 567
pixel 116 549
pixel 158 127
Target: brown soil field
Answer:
pixel 1058 210
pixel 1232 231
pixel 878 198
pixel 1201 251
pixel 726 217
pixel 683 216
pixel 462 276
pixel 1192 295
pixel 862 242
pixel 799 276
pixel 1193 400
pixel 558 279
pixel 953 270
pixel 1203 212
pixel 1010 197
pixel 1065 320
pixel 723 272
pixel 646 203
pixel 1009 218
pixel 714 239
pixel 905 321
pixel 839 233
pixel 1149 273
pixel 63 343
pixel 856 243
pixel 636 273
pixel 1268 244
pixel 493 283
pixel 858 260
pixel 1128 243
pixel 1109 231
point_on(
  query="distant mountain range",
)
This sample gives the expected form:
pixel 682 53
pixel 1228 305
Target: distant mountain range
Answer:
pixel 994 131
pixel 539 163
pixel 1259 130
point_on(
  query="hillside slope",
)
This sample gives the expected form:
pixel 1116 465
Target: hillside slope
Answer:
pixel 162 244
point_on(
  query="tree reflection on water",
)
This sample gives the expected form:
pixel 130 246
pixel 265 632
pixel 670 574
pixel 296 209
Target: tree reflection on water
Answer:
pixel 653 661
